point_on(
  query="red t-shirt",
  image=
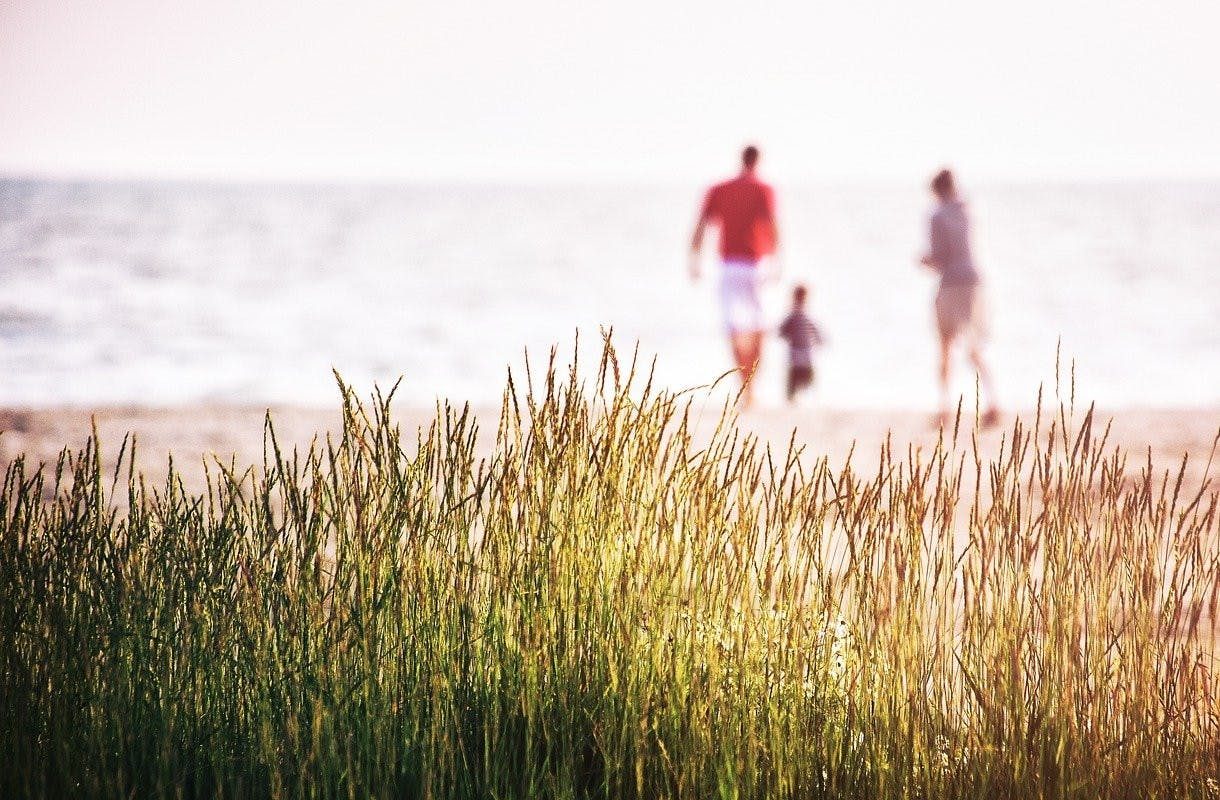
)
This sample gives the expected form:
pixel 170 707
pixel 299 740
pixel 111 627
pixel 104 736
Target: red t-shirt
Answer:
pixel 745 209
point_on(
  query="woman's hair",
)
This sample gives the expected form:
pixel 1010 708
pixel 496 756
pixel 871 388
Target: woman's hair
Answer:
pixel 943 184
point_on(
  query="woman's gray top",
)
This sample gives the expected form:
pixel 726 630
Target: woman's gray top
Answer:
pixel 950 240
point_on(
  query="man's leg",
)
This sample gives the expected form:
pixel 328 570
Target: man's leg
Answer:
pixel 753 352
pixel 754 341
pixel 747 346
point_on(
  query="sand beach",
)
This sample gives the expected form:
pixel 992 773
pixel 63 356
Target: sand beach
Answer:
pixel 199 434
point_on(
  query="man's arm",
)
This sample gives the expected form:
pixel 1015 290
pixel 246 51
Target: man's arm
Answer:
pixel 772 225
pixel 696 239
pixel 774 267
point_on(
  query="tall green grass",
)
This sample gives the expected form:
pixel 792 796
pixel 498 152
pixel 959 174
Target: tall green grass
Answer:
pixel 610 606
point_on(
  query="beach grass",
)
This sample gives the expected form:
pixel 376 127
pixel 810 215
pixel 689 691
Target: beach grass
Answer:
pixel 610 606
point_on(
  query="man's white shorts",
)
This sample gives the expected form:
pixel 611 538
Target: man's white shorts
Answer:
pixel 739 297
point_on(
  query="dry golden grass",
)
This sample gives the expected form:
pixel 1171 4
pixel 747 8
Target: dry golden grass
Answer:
pixel 608 607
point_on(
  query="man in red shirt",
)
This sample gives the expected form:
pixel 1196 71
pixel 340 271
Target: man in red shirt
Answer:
pixel 744 209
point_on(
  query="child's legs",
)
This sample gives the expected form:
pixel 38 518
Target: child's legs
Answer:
pixel 946 355
pixel 799 377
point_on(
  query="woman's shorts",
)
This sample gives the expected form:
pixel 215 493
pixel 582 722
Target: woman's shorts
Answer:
pixel 739 297
pixel 960 311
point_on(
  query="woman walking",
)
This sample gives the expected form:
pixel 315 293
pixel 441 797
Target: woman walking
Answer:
pixel 960 315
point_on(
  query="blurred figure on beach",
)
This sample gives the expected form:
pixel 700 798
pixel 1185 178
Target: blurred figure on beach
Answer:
pixel 802 335
pixel 959 307
pixel 744 209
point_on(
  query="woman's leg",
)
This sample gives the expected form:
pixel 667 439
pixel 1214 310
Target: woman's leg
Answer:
pixel 946 354
pixel 992 415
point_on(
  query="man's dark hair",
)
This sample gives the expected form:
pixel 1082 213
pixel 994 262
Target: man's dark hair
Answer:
pixel 749 157
pixel 943 184
pixel 798 294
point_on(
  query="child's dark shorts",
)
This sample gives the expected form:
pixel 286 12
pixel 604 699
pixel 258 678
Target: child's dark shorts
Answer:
pixel 799 377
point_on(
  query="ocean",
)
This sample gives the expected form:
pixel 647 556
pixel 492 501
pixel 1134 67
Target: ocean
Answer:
pixel 181 293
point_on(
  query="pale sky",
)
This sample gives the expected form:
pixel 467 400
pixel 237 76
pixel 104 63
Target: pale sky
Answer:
pixel 622 90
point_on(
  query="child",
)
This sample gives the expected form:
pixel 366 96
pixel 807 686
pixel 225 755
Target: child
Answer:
pixel 802 336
